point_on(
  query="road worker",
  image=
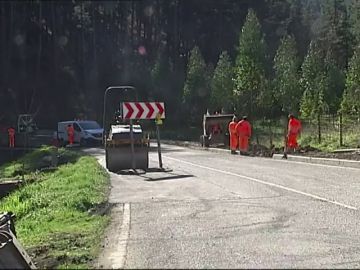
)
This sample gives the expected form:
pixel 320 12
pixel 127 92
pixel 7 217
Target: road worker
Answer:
pixel 11 132
pixel 293 130
pixel 233 135
pixel 243 130
pixel 70 132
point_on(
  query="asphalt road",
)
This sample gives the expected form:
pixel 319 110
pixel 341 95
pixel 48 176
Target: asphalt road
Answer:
pixel 217 210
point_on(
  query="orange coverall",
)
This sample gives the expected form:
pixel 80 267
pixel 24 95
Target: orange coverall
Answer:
pixel 11 132
pixel 243 129
pixel 233 136
pixel 70 131
pixel 294 128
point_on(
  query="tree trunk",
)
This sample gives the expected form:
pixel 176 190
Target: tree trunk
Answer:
pixel 38 62
pixel 132 23
pixel 82 46
pixel 54 36
pixel 176 32
pixel 3 43
pixel 8 65
pixel 319 127
pixel 94 44
pixel 341 129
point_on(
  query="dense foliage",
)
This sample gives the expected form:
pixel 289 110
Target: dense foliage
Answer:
pixel 57 57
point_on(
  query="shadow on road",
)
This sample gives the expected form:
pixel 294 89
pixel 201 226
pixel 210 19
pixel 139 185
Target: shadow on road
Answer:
pixel 165 149
pixel 170 177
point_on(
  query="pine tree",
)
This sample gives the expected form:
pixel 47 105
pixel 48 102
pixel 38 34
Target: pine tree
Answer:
pixel 314 83
pixel 222 84
pixel 249 78
pixel 351 98
pixel 161 76
pixel 286 65
pixel 196 86
pixel 335 34
pixel 354 14
pixel 335 82
pixel 334 39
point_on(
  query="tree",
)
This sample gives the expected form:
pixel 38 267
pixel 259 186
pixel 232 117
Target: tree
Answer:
pixel 161 77
pixel 351 98
pixel 314 83
pixel 286 65
pixel 354 20
pixel 249 78
pixel 196 86
pixel 335 83
pixel 222 84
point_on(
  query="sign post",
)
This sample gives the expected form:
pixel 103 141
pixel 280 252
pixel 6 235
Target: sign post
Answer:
pixel 158 122
pixel 144 110
pixel 133 162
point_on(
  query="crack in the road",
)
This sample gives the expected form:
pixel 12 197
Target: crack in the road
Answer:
pixel 229 200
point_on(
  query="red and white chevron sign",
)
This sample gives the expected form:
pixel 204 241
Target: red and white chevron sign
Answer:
pixel 143 110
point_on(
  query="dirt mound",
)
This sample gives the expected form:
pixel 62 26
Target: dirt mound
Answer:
pixel 261 150
pixel 308 148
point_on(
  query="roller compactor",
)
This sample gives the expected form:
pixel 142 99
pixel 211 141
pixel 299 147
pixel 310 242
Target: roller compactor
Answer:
pixel 119 154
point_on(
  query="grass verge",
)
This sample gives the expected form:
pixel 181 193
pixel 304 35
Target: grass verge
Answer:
pixel 56 217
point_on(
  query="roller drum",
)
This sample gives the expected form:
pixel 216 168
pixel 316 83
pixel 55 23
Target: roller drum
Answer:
pixel 119 158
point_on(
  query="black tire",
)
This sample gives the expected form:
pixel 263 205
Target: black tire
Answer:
pixel 83 142
pixel 202 141
pixel 61 143
pixel 206 141
pixel 107 160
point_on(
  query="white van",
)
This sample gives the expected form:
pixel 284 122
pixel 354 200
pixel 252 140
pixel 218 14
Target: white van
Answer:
pixel 86 132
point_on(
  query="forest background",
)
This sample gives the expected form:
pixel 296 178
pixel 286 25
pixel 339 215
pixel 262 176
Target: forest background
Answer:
pixel 263 58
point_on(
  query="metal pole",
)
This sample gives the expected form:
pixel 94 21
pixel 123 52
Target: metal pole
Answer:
pixel 104 112
pixel 133 164
pixel 159 146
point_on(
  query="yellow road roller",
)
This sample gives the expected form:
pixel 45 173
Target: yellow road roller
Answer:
pixel 126 147
pixel 120 154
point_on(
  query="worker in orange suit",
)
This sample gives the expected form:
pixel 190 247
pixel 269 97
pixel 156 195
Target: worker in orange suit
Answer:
pixel 243 130
pixel 293 130
pixel 11 132
pixel 70 132
pixel 233 135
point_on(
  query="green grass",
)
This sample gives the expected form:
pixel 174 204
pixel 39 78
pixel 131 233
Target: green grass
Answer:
pixel 330 141
pixel 53 220
pixel 33 161
pixel 330 137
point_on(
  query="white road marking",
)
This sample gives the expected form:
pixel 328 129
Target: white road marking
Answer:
pixel 265 183
pixel 118 257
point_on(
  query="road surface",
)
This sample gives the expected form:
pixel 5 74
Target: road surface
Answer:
pixel 217 210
